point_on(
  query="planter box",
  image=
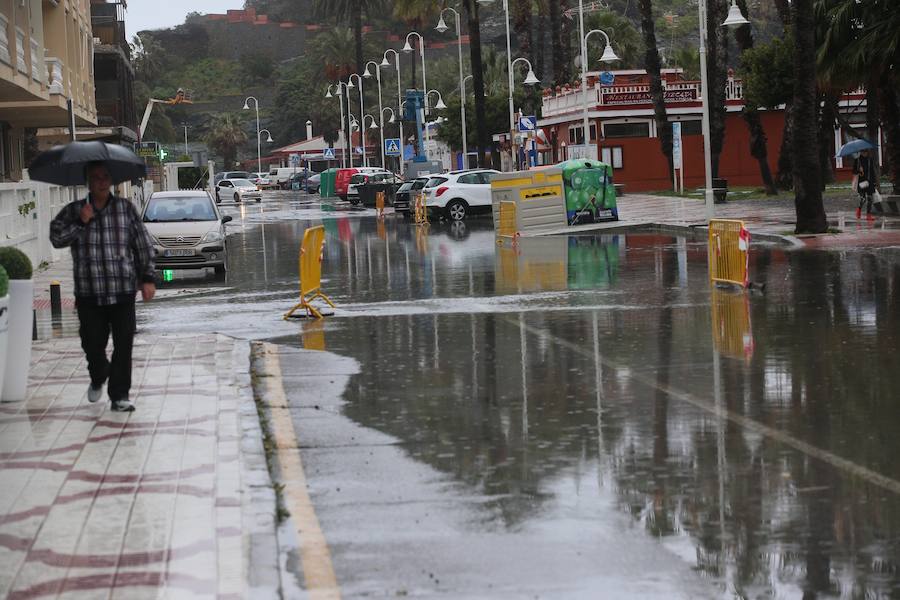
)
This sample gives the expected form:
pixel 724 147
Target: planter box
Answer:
pixel 18 363
pixel 4 324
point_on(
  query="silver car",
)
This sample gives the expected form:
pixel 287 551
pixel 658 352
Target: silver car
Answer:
pixel 188 231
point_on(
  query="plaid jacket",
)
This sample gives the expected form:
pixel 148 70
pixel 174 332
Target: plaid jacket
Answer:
pixel 110 254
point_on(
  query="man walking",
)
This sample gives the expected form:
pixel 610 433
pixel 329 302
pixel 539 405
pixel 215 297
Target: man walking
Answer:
pixel 111 251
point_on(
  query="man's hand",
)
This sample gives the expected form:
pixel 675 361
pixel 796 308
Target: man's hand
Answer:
pixel 87 213
pixel 148 290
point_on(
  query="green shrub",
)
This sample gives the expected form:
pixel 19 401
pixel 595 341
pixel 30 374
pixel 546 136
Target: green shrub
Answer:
pixel 16 263
pixel 4 282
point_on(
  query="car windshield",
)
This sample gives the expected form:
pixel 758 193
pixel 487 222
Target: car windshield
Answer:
pixel 179 208
pixel 358 178
pixel 435 181
pixel 243 183
pixel 406 186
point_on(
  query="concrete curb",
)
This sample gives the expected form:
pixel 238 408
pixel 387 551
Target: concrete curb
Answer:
pixel 258 505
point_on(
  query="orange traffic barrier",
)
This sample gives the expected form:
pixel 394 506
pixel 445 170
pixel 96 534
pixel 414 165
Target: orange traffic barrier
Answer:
pixel 729 252
pixel 310 263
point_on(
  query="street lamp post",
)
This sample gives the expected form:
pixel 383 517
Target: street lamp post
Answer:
pixel 185 125
pixel 530 79
pixel 408 48
pixel 608 56
pixel 442 27
pixel 439 106
pixel 341 102
pixel 384 63
pixel 512 122
pixel 362 111
pixel 258 150
pixel 380 109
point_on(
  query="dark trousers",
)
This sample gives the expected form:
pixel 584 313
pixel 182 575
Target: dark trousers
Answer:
pixel 96 322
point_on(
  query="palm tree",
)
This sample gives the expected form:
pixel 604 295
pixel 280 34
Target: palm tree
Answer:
pixel 652 65
pixel 716 75
pixel 351 11
pixel 224 136
pixel 758 149
pixel 807 176
pixel 417 15
pixel 471 10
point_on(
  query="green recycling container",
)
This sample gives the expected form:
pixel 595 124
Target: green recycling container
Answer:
pixel 326 183
pixel 590 194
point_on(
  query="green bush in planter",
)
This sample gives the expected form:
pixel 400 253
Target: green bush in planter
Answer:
pixel 4 282
pixel 16 263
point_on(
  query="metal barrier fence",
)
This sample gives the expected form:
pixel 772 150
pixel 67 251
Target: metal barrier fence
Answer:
pixel 729 252
pixel 310 264
pixel 507 222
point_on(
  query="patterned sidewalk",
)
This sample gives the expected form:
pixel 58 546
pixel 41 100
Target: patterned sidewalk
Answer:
pixel 172 500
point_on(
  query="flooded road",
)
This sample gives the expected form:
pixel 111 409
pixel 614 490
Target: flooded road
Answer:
pixel 582 410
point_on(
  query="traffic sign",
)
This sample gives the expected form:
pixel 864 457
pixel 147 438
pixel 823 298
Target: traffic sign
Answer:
pixel 328 154
pixel 147 149
pixel 294 159
pixel 358 150
pixel 527 123
pixel 392 147
pixel 676 145
pixel 607 78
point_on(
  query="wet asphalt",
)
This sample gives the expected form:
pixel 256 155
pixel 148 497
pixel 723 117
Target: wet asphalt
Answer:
pixel 577 416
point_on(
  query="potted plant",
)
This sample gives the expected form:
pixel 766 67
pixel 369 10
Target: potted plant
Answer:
pixel 4 320
pixel 21 303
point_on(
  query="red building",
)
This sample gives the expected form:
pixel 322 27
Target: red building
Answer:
pixel 622 113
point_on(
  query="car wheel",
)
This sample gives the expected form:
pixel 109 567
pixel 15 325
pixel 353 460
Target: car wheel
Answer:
pixel 237 197
pixel 456 210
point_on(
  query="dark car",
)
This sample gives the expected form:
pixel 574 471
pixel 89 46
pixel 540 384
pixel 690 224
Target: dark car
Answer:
pixel 404 199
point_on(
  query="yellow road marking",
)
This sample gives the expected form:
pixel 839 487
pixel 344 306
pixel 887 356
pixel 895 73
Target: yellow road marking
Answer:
pixel 891 485
pixel 315 557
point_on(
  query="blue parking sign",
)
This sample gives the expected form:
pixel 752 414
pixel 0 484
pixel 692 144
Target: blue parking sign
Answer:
pixel 527 123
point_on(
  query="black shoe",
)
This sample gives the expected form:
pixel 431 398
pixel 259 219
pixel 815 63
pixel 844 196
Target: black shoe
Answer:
pixel 122 405
pixel 94 393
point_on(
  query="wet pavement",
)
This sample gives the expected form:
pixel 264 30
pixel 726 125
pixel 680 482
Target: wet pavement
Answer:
pixel 577 416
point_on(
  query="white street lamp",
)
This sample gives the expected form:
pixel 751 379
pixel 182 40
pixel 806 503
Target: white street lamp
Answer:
pixel 362 110
pixel 384 63
pixel 608 56
pixel 268 135
pixel 439 106
pixel 393 118
pixel 380 109
pixel 530 79
pixel 735 18
pixel 258 151
pixel 442 27
pixel 340 95
pixel 408 48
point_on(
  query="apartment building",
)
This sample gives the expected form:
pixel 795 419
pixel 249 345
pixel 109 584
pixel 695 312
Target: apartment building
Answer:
pixel 46 59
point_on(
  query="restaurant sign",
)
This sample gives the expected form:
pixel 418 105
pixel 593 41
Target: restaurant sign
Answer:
pixel 687 95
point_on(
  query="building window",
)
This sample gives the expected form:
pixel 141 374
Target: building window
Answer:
pixel 625 130
pixel 691 127
pixel 612 155
pixel 576 133
pixel 4 40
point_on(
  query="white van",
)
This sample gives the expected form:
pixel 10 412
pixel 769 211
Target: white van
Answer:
pixel 279 176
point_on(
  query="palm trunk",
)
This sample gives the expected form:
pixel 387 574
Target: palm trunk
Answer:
pixel 807 176
pixel 717 60
pixel 785 176
pixel 565 56
pixel 653 66
pixel 556 42
pixel 521 10
pixel 873 118
pixel 829 109
pixel 758 148
pixel 482 136
pixel 890 102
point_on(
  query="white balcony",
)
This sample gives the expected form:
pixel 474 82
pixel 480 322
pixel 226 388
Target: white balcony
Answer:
pixel 55 72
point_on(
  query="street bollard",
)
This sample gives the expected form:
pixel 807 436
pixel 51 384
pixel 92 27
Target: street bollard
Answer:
pixel 55 300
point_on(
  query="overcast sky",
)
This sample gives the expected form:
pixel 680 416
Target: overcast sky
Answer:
pixel 156 14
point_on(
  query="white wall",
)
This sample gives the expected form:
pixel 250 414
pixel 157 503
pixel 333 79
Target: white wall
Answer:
pixel 31 233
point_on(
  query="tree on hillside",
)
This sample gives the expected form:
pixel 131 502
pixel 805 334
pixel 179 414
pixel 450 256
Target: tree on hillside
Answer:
pixel 807 176
pixel 417 15
pixel 351 12
pixel 147 57
pixel 483 134
pixel 758 148
pixel 652 65
pixel 225 136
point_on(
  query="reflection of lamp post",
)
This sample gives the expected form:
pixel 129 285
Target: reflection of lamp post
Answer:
pixel 362 110
pixel 734 19
pixel 442 27
pixel 384 63
pixel 341 102
pixel 258 151
pixel 380 109
pixel 608 57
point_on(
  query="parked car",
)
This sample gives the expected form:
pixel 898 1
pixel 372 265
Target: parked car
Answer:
pixel 382 176
pixel 342 178
pixel 314 182
pixel 297 181
pixel 261 180
pixel 458 194
pixel 231 175
pixel 404 199
pixel 188 230
pixel 281 176
pixel 240 190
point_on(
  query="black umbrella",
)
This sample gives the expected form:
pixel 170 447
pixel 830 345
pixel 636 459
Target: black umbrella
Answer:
pixel 64 165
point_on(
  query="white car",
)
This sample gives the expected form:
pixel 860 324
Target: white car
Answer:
pixel 457 194
pixel 187 229
pixel 239 190
pixel 261 180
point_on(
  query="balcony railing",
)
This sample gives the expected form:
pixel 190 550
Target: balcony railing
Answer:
pixel 20 51
pixel 37 66
pixel 55 73
pixel 4 41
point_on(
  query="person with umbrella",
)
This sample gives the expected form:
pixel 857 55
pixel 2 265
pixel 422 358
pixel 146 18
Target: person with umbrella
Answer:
pixel 865 185
pixel 112 255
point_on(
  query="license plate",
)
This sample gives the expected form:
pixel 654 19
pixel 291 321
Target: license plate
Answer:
pixel 179 252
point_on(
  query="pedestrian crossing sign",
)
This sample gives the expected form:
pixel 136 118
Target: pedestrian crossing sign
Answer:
pixel 392 147
pixel 328 154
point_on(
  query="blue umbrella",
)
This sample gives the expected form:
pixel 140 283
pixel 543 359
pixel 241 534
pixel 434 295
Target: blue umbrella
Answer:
pixel 854 147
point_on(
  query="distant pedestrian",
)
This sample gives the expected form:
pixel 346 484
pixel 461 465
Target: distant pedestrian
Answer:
pixel 112 252
pixel 865 184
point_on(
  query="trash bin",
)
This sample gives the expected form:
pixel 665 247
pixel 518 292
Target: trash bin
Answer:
pixel 720 190
pixel 590 193
pixel 367 193
pixel 326 183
